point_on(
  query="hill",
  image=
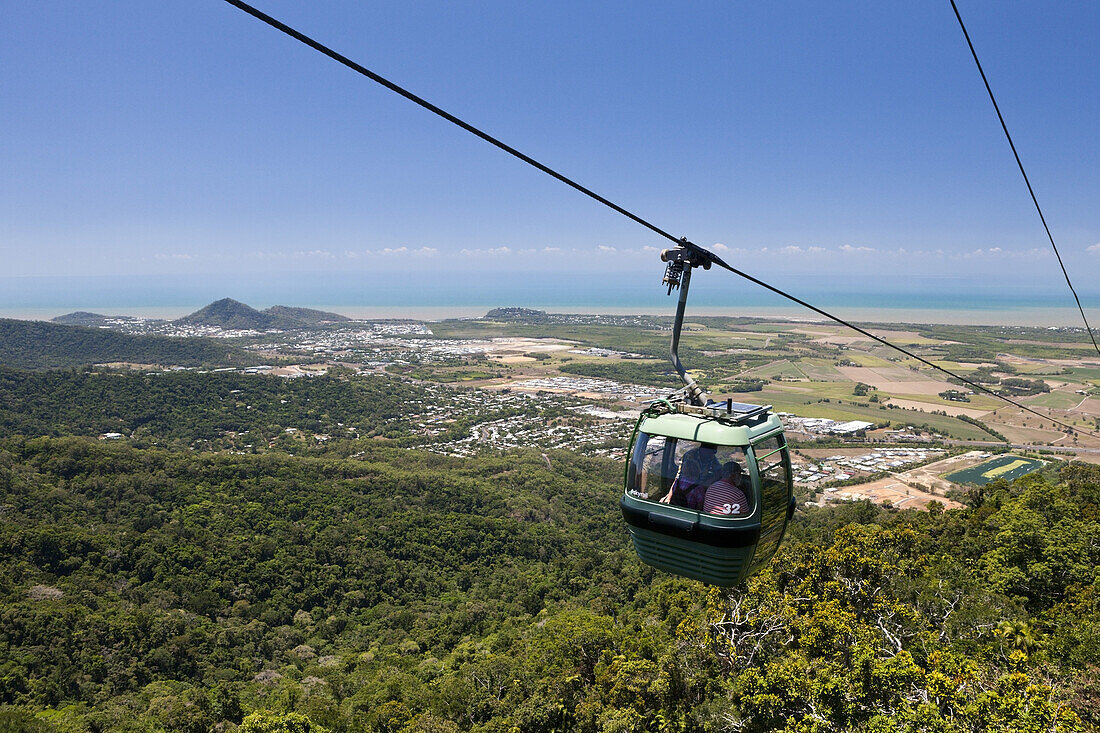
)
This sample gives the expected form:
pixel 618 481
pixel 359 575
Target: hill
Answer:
pixel 43 345
pixel 84 318
pixel 520 315
pixel 304 316
pixel 230 314
pixel 233 314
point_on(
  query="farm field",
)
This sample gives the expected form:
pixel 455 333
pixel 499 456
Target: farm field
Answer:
pixel 951 408
pixel 1008 467
pixel 1058 400
pixel 933 475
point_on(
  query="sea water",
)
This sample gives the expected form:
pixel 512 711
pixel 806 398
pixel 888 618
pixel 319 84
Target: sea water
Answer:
pixel 434 295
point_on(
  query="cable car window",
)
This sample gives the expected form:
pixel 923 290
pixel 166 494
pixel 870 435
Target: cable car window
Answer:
pixel 771 465
pixel 689 474
pixel 647 479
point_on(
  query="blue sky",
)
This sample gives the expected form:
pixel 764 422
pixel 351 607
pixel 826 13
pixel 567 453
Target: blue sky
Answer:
pixel 834 140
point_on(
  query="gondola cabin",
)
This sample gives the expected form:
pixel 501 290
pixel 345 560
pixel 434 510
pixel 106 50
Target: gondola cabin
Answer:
pixel 708 489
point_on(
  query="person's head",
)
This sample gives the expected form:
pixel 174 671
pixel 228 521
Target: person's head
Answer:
pixel 732 471
pixel 708 448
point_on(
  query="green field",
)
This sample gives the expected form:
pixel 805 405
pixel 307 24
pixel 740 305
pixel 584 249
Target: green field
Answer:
pixel 1008 467
pixel 1083 374
pixel 820 370
pixel 864 359
pixel 1057 400
pixel 782 368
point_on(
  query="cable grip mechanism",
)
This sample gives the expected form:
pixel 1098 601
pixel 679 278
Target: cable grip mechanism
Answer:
pixel 683 255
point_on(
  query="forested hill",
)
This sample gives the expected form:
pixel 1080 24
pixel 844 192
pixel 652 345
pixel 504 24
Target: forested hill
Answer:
pixel 84 318
pixel 148 590
pixel 43 345
pixel 185 409
pixel 233 314
pixel 304 316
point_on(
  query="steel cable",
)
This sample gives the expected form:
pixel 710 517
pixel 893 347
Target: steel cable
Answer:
pixel 1023 173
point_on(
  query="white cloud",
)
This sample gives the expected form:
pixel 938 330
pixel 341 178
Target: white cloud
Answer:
pixel 483 252
pixel 1095 249
pixel 847 248
pixel 406 251
pixel 719 247
pixel 794 249
pixel 605 248
pixel 551 249
pixel 172 256
pixel 998 253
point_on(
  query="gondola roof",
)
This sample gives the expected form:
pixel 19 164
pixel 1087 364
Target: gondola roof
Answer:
pixel 718 431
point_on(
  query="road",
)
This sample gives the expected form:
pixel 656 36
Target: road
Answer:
pixel 1021 446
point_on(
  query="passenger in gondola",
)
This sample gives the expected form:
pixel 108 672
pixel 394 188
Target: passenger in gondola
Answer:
pixel 725 495
pixel 698 469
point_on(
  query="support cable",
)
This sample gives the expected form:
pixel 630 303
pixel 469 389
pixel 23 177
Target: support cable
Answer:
pixel 1020 164
pixel 683 242
pixel 334 55
pixel 718 261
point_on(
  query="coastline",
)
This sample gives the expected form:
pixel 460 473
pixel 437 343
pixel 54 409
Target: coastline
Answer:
pixel 1022 316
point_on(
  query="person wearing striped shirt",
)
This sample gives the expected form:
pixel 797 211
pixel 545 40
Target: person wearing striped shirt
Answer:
pixel 725 496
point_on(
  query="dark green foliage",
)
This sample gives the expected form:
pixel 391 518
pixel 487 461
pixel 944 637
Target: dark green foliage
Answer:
pixel 156 590
pixel 747 385
pixel 228 409
pixel 1016 386
pixel 42 345
pixel 954 395
pixel 656 373
pixel 524 315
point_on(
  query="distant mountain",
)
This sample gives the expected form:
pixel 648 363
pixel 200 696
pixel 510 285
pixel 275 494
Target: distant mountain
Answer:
pixel 229 313
pixel 304 316
pixel 44 345
pixel 84 318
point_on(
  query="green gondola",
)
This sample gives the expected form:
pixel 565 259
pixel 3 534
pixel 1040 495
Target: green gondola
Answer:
pixel 708 490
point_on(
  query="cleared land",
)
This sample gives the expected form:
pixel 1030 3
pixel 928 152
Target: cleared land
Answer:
pixel 893 491
pixel 951 408
pixel 893 380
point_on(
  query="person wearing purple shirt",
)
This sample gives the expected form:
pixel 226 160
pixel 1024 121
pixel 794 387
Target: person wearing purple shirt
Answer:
pixel 725 496
pixel 698 468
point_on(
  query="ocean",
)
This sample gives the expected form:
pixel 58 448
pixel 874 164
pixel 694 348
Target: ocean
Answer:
pixel 433 296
